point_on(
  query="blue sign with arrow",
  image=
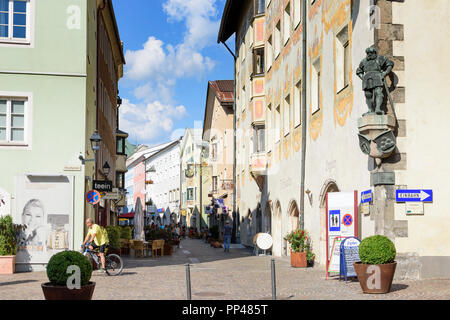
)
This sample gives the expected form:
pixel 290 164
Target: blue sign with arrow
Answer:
pixel 418 195
pixel 366 196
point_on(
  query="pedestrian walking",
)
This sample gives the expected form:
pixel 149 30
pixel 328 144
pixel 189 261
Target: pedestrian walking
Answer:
pixel 227 231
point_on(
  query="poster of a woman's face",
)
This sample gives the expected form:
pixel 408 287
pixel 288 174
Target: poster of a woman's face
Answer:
pixel 33 216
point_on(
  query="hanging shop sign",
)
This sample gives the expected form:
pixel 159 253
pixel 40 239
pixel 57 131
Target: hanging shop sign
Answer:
pixel 103 185
pixel 349 253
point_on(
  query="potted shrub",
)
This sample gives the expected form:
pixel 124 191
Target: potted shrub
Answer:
pixel 299 242
pixel 126 233
pixel 310 256
pixel 377 255
pixel 57 268
pixel 114 239
pixel 8 244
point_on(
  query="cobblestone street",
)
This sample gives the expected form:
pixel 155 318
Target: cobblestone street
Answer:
pixel 219 275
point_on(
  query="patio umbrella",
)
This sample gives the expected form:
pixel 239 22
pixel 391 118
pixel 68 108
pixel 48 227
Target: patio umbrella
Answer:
pixel 139 221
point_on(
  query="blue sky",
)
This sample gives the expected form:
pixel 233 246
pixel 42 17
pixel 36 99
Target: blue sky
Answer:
pixel 171 52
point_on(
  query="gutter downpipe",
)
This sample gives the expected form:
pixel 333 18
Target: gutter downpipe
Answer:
pixel 234 237
pixel 304 123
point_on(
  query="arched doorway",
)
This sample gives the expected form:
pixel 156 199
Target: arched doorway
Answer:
pixel 267 225
pixel 328 187
pixel 277 231
pixel 259 220
pixel 294 222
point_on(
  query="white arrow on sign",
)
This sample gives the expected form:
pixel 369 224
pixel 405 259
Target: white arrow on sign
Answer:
pixel 423 195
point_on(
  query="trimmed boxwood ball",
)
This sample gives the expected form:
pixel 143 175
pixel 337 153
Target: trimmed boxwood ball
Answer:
pixel 58 264
pixel 377 250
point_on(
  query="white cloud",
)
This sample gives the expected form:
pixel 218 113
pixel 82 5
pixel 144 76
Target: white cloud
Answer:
pixel 146 122
pixel 156 67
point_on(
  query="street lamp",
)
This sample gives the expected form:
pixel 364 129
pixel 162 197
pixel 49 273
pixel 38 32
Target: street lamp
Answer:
pixel 95 141
pixel 106 169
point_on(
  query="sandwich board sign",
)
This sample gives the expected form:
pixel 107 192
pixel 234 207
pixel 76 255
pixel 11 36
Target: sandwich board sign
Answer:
pixel 341 222
pixel 349 253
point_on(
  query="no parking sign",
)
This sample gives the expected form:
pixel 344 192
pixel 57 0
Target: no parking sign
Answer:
pixel 93 197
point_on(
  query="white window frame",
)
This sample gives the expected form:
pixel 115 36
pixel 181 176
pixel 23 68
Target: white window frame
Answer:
pixel 277 39
pixel 298 104
pixel 297 13
pixel 10 40
pixel 20 96
pixel 287 24
pixel 341 63
pixel 287 115
pixel 315 87
pixel 277 123
pixel 269 55
pixel 269 128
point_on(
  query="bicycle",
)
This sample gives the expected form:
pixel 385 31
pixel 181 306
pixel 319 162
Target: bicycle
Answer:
pixel 113 263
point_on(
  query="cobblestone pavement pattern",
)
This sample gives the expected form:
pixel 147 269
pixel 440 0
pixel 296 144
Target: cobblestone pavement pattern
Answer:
pixel 219 275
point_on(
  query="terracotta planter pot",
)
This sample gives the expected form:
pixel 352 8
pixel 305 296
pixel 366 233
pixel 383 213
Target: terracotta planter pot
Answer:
pixel 370 281
pixel 52 292
pixel 7 264
pixel 298 259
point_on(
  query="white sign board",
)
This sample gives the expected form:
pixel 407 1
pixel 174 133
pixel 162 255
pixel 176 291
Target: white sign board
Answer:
pixel 341 218
pixel 414 208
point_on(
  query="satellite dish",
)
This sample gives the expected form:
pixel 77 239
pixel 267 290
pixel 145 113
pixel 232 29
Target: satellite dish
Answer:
pixel 264 241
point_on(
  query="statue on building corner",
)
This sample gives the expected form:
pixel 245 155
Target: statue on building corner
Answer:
pixel 372 71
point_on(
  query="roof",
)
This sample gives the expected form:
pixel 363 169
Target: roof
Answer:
pixel 230 17
pixel 224 90
pixel 143 152
pixel 168 146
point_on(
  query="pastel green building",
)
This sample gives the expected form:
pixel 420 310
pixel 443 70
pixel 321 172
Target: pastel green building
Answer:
pixel 48 72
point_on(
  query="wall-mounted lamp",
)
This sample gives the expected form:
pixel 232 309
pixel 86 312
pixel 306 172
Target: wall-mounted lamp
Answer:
pixel 106 169
pixel 309 194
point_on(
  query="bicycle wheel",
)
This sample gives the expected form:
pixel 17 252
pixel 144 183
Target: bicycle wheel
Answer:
pixel 113 265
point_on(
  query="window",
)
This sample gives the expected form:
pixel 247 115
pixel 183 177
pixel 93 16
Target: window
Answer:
pixel 286 115
pixel 120 180
pixel 260 6
pixel 269 53
pixel 298 104
pixel 258 61
pixel 297 12
pixel 342 63
pixel 277 124
pixel 14 20
pixel 286 24
pixel 214 184
pixel 190 194
pixel 214 151
pixel 259 144
pixel 277 39
pixel 315 86
pixel 242 50
pixel 269 126
pixel 120 145
pixel 13 121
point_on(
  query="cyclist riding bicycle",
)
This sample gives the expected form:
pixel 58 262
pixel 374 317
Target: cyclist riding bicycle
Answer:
pixel 97 237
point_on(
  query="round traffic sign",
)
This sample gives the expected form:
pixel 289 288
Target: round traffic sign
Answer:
pixel 348 220
pixel 93 197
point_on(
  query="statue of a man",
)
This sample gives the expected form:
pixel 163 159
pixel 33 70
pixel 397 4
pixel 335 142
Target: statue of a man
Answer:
pixel 372 71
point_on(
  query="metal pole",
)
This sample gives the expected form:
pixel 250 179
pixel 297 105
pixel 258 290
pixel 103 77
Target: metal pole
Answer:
pixel 188 281
pixel 274 284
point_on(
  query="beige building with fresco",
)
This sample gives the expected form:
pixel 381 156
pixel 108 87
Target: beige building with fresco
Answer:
pixel 218 133
pixel 269 179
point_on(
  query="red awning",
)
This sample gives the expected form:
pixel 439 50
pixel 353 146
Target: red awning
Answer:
pixel 127 215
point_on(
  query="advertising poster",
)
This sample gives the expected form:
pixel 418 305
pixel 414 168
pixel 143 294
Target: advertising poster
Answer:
pixel 45 205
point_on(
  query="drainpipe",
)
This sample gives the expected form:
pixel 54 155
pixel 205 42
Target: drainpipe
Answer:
pixel 233 237
pixel 304 123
